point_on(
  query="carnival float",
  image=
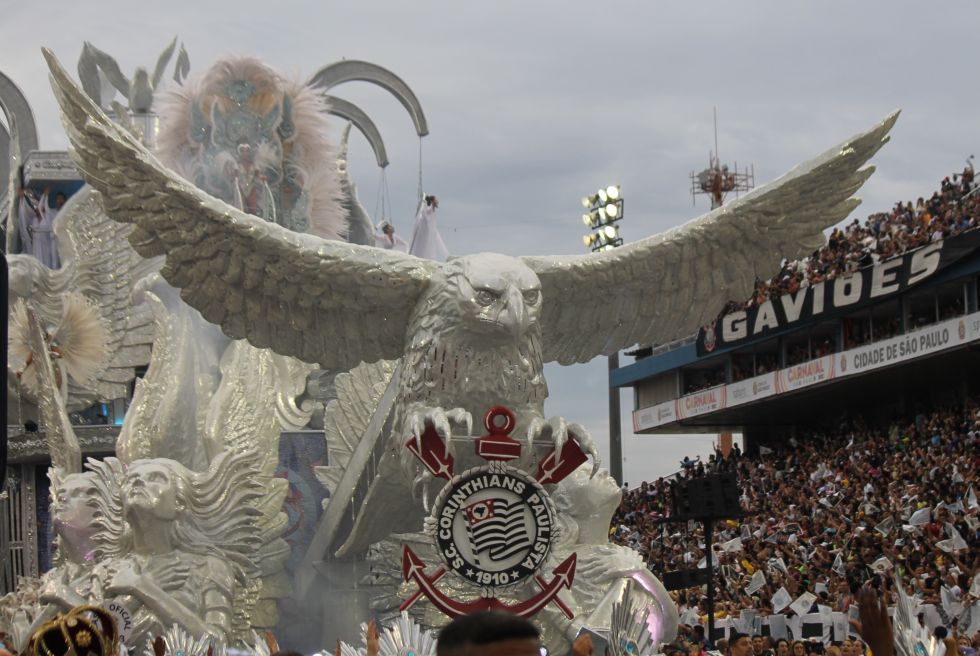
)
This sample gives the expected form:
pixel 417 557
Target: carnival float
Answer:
pixel 321 431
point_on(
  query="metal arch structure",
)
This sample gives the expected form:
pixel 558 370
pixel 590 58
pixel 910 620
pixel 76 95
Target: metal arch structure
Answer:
pixel 350 70
pixel 351 112
pixel 361 71
pixel 17 111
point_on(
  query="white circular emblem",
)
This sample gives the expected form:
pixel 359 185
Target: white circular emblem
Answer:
pixel 494 525
pixel 124 619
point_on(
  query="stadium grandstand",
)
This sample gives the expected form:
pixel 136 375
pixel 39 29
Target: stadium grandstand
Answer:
pixel 881 319
pixel 852 375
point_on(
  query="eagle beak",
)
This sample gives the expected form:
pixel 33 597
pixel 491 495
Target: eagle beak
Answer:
pixel 514 313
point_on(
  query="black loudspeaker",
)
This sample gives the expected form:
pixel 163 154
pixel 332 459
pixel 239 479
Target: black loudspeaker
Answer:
pixel 714 496
pixel 685 578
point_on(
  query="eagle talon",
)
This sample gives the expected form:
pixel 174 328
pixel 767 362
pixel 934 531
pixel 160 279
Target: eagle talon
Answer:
pixel 421 484
pixel 558 431
pixel 587 445
pixel 461 417
pixel 441 421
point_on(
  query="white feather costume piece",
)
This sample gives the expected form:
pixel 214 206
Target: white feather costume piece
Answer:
pixel 287 132
pixel 77 342
pixel 629 634
pixel 18 338
pixel 81 338
pixel 404 637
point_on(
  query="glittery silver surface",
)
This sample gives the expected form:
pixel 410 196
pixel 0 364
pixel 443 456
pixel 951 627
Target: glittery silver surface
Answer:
pixel 99 516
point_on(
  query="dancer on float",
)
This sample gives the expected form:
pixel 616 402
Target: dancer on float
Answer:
pixel 42 230
pixel 386 238
pixel 426 241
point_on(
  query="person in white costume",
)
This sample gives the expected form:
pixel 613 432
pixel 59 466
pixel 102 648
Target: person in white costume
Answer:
pixel 385 237
pixel 42 230
pixel 426 241
pixel 26 217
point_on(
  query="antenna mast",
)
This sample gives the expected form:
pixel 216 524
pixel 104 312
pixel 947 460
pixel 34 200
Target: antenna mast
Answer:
pixel 718 180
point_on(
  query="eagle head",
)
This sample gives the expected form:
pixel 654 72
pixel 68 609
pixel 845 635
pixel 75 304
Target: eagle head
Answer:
pixel 475 336
pixel 497 297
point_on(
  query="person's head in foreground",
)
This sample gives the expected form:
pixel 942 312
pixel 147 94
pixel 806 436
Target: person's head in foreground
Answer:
pixel 490 633
pixel 739 644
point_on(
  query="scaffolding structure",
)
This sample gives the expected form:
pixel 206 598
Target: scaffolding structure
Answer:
pixel 718 180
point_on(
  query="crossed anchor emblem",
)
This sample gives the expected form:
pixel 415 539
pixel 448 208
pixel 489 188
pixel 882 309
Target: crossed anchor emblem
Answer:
pixel 497 448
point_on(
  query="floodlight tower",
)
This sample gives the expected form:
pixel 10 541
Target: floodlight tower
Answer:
pixel 718 180
pixel 604 211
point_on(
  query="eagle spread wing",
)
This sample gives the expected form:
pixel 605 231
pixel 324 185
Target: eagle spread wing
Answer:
pixel 340 304
pixel 325 302
pixel 666 286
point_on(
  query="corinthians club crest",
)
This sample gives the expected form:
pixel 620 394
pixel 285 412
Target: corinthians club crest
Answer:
pixel 710 336
pixel 492 525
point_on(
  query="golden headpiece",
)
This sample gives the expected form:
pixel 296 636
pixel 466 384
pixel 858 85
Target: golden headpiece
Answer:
pixel 83 631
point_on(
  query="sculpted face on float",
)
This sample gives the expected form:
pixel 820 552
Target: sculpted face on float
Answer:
pixel 501 296
pixel 72 511
pixel 596 497
pixel 150 488
pixel 591 502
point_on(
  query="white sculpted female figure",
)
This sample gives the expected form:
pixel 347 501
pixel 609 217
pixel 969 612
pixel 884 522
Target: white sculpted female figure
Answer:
pixel 88 530
pixel 171 545
pixel 586 506
pixel 86 521
pixel 192 534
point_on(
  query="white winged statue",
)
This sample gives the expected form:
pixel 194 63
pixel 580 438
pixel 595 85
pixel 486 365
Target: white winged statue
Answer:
pixel 472 332
pixel 100 268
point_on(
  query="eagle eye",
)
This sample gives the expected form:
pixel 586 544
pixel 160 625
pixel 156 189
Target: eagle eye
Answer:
pixel 485 297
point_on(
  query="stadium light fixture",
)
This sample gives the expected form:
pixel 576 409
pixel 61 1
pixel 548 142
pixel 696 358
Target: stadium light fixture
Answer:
pixel 605 210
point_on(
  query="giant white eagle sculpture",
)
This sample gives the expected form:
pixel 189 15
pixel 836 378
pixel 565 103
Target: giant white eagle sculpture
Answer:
pixel 472 332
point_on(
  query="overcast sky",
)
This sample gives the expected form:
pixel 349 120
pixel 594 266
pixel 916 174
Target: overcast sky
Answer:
pixel 531 105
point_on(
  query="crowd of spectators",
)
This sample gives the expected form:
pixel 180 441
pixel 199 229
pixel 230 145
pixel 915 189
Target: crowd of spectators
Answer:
pixel 948 212
pixel 952 210
pixel 828 512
